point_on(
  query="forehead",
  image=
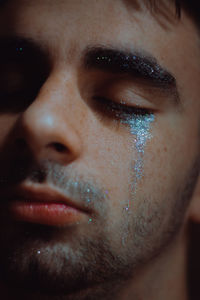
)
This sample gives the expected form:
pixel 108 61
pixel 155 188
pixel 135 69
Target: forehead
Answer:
pixel 119 21
pixel 67 27
pixel 129 14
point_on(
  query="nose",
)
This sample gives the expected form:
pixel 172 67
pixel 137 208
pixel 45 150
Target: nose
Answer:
pixel 47 130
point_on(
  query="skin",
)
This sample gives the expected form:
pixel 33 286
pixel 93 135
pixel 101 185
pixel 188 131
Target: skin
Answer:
pixel 139 254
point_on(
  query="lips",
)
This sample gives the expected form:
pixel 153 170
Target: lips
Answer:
pixel 43 205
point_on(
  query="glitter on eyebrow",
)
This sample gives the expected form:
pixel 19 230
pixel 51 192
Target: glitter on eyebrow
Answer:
pixel 132 63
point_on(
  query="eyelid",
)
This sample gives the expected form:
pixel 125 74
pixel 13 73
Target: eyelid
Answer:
pixel 127 91
pixel 132 100
pixel 120 109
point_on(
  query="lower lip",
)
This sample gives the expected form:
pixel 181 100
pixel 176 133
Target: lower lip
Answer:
pixel 52 214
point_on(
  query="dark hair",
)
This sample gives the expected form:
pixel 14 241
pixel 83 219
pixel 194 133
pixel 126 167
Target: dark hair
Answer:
pixel 192 7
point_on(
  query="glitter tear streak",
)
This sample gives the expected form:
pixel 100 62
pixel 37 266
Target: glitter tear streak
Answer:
pixel 140 128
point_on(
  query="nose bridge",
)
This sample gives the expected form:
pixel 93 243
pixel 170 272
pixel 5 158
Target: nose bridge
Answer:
pixel 46 126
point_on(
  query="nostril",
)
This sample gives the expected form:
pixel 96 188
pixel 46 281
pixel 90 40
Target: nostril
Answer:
pixel 59 147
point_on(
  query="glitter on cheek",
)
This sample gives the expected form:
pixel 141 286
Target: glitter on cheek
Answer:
pixel 89 221
pixel 140 128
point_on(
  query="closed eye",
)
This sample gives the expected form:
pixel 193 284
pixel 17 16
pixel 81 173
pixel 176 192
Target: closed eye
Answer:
pixel 120 110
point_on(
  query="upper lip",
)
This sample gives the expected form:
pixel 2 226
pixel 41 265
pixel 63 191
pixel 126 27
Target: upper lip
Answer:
pixel 43 194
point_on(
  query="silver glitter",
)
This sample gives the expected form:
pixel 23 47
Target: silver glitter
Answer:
pixel 84 193
pixel 89 221
pixel 140 128
pixel 88 200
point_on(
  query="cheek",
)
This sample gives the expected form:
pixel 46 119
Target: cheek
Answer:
pixel 157 171
pixel 112 159
pixel 168 158
pixel 111 153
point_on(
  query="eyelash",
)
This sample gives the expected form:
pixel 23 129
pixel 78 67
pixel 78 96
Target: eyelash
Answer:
pixel 120 110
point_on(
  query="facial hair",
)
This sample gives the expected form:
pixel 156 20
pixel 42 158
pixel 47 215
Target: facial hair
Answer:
pixel 41 262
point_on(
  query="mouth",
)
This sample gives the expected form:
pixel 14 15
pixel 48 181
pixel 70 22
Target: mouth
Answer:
pixel 44 205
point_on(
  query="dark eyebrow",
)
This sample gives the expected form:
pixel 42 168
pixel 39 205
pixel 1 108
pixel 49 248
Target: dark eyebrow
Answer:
pixel 135 64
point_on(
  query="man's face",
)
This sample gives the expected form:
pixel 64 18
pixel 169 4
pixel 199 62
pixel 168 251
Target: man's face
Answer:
pixel 89 114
